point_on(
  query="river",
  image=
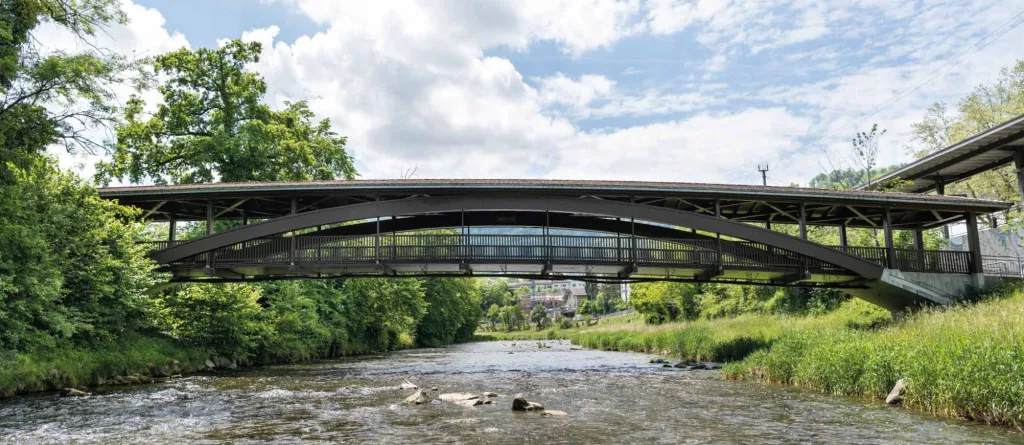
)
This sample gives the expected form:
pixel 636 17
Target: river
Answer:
pixel 610 397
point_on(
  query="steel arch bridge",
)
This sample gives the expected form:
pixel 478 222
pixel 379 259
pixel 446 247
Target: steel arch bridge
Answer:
pixel 591 230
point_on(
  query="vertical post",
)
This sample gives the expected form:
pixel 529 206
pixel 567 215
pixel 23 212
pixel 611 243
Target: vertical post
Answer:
pixel 1018 163
pixel 618 241
pixel 974 244
pixel 209 217
pixel 844 242
pixel 918 239
pixel 803 221
pixel 172 229
pixel 940 189
pixel 718 236
pixel 394 238
pixel 376 238
pixel 890 251
pixel 463 242
pixel 291 246
pixel 768 224
pixel 209 231
pixel 245 218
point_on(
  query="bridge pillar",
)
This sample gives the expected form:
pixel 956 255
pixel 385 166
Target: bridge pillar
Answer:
pixel 974 244
pixel 803 221
pixel 209 231
pixel 172 226
pixel 843 241
pixel 890 250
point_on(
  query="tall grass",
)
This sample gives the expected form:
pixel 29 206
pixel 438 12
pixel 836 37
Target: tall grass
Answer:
pixel 22 372
pixel 964 362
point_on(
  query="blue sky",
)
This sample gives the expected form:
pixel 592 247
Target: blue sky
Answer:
pixel 669 90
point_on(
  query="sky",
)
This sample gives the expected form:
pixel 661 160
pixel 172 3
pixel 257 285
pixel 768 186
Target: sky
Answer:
pixel 657 90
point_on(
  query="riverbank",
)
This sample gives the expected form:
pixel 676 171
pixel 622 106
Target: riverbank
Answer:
pixel 965 362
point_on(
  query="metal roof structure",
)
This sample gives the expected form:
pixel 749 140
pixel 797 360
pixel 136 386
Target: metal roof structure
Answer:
pixel 984 151
pixel 742 203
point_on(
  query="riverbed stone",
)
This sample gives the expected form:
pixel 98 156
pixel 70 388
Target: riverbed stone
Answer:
pixel 489 394
pixel 895 396
pixel 72 392
pixel 210 364
pixel 519 403
pixel 417 398
pixel 657 361
pixel 457 396
pixel 408 385
pixel 468 403
pixel 553 413
pixel 223 362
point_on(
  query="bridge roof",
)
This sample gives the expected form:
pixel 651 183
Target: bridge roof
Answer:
pixel 857 208
pixel 990 149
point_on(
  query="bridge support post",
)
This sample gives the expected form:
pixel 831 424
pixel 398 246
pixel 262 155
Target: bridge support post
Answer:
pixel 291 245
pixel 940 189
pixel 172 228
pixel 843 241
pixel 1018 163
pixel 209 231
pixel 803 221
pixel 890 250
pixel 974 244
pixel 718 238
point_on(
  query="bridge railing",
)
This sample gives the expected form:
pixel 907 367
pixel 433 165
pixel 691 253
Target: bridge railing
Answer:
pixel 560 248
pixel 1003 266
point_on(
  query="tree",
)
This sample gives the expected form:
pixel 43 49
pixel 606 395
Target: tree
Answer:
pixel 453 311
pixel 511 318
pixel 538 315
pixel 231 321
pixel 982 109
pixel 590 288
pixel 56 97
pixel 496 292
pixel 494 315
pixel 212 125
pixel 865 148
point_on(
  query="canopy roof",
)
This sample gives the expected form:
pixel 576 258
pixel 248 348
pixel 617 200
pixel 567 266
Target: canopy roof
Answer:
pixel 855 208
pixel 984 151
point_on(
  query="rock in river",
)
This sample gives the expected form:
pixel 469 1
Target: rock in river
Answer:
pixel 896 395
pixel 417 398
pixel 489 394
pixel 408 385
pixel 457 396
pixel 472 402
pixel 553 413
pixel 521 404
pixel 72 392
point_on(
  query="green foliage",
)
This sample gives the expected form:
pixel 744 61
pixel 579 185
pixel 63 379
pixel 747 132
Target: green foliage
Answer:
pixel 512 318
pixel 982 109
pixel 453 311
pixel 664 301
pixel 226 318
pixel 496 292
pixel 212 125
pixel 539 315
pixel 70 268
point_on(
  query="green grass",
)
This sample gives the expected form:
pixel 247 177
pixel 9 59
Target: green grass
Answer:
pixel 23 372
pixel 965 362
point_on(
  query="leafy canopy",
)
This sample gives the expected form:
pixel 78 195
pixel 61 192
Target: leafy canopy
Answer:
pixel 212 125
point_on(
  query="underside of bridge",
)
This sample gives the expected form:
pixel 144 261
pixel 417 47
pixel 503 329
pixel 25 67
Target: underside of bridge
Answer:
pixel 603 231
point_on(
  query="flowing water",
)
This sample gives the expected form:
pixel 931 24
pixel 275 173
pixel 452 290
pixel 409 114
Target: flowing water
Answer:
pixel 610 397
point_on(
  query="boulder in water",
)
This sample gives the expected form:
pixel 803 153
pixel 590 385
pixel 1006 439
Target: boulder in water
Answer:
pixel 489 394
pixel 519 403
pixel 896 395
pixel 417 398
pixel 408 385
pixel 457 396
pixel 72 392
pixel 471 402
pixel 223 362
pixel 553 413
pixel 657 361
pixel 210 364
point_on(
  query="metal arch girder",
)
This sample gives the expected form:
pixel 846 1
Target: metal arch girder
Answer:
pixel 440 204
